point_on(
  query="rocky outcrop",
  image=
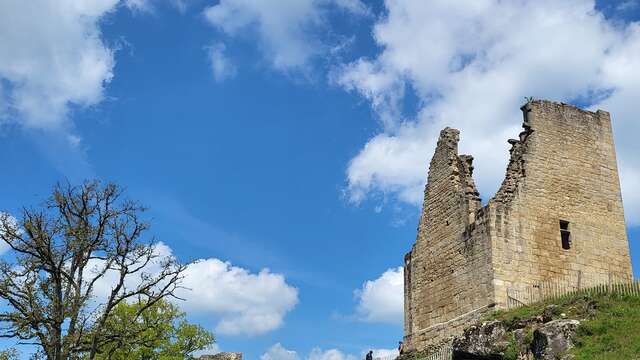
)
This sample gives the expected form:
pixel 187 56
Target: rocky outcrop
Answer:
pixel 486 341
pixel 535 338
pixel 552 340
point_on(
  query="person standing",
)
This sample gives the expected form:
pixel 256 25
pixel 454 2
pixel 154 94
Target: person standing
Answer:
pixel 400 347
pixel 369 355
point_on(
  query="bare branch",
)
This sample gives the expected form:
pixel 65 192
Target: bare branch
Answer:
pixel 78 238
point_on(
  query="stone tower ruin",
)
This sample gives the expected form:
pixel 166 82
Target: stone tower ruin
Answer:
pixel 558 214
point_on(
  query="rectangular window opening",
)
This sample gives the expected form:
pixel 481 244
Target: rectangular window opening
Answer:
pixel 565 235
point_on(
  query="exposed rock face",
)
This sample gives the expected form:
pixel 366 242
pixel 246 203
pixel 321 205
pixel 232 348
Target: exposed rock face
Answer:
pixel 549 312
pixel 553 339
pixel 486 341
pixel 495 340
pixel 223 356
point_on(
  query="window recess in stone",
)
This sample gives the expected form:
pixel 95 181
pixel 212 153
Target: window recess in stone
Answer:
pixel 565 234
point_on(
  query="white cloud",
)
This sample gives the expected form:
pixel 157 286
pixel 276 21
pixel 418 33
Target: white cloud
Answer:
pixel 51 57
pixel 148 6
pixel 242 303
pixel 102 287
pixel 385 353
pixel 353 6
pixel 471 69
pixel 382 299
pixel 246 303
pixel 332 354
pixel 278 352
pixel 284 28
pixel 221 66
pixel 211 350
pixel 383 89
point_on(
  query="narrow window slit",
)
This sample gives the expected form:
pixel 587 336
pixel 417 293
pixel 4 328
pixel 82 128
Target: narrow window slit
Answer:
pixel 565 234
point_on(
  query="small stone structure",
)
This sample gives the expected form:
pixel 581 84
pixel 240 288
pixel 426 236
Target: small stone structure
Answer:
pixel 558 213
pixel 223 356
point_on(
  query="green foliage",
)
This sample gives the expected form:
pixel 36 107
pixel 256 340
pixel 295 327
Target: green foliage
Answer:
pixel 609 329
pixel 575 306
pixel 511 353
pixel 60 251
pixel 614 331
pixel 9 354
pixel 159 332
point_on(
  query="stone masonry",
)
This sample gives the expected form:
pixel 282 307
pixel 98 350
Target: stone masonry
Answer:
pixel 558 213
pixel 223 356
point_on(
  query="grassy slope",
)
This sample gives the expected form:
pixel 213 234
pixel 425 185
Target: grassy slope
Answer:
pixel 614 332
pixel 610 326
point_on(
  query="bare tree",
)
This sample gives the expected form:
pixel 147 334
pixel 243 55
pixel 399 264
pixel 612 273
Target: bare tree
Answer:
pixel 82 237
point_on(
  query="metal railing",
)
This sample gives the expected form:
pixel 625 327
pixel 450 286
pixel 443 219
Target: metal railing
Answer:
pixel 443 353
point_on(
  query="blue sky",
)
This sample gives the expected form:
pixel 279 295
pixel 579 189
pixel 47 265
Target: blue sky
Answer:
pixel 294 136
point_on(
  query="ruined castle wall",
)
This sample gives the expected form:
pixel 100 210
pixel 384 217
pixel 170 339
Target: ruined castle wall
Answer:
pixel 448 272
pixel 563 167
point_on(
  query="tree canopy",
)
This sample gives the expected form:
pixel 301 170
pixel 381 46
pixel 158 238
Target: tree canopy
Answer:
pixel 80 239
pixel 161 332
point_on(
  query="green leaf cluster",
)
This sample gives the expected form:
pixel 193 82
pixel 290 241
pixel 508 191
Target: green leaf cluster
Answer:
pixel 160 332
pixel 9 354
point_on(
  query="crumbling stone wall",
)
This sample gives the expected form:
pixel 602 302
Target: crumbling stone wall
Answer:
pixel 448 271
pixel 562 168
pixel 223 356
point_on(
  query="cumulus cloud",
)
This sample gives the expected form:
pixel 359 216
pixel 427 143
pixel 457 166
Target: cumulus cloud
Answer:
pixel 471 70
pixel 278 352
pixel 386 354
pixel 149 6
pixel 353 6
pixel 102 287
pixel 382 299
pixel 333 354
pixel 247 303
pixel 284 28
pixel 242 302
pixel 221 66
pixel 211 350
pixel 52 57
